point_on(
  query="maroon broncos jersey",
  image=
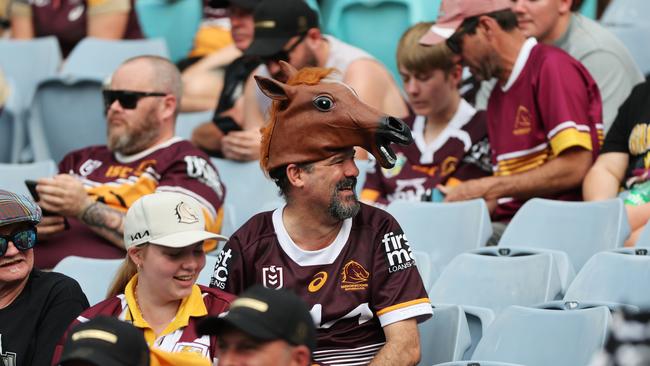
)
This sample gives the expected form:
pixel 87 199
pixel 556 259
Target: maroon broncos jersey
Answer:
pixel 364 280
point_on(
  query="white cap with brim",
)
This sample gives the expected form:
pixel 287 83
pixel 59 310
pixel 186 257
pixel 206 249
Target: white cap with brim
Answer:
pixel 166 218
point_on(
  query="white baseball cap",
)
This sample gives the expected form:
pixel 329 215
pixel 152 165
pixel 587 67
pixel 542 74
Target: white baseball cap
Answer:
pixel 166 218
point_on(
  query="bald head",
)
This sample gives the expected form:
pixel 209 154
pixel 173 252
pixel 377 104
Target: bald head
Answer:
pixel 160 74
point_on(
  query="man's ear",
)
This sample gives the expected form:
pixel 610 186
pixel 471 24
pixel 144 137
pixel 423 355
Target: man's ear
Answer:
pixel 300 356
pixel 169 103
pixel 314 38
pixel 296 175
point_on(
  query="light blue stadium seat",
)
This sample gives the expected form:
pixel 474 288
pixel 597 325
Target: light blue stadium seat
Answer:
pixel 357 21
pixel 247 188
pixel 443 230
pixel 160 19
pixel 13 176
pixel 627 19
pixel 17 62
pixel 580 229
pixel 613 277
pixel 187 122
pixel 98 58
pixel 485 284
pixel 445 336
pixel 94 275
pixel 543 337
pixel 425 268
pixel 66 114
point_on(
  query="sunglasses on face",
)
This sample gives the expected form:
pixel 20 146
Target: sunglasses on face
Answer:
pixel 283 55
pixel 128 98
pixel 23 240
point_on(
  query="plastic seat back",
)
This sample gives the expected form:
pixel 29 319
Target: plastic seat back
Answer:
pixel 187 122
pixel 628 21
pixel 445 336
pixel 613 277
pixel 66 114
pixel 94 275
pixel 160 19
pixel 355 22
pixel 443 230
pixel 580 229
pixel 98 58
pixel 14 175
pixel 542 337
pixel 496 282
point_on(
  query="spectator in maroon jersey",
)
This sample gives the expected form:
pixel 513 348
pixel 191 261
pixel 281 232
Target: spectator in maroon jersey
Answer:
pixel 70 21
pixel 450 135
pixel 155 289
pixel 98 184
pixel 264 327
pixel 544 117
pixel 350 262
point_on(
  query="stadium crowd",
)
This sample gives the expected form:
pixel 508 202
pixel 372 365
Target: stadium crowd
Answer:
pixel 497 100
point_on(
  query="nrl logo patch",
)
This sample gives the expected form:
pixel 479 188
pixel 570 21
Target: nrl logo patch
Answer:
pixel 186 214
pixel 272 277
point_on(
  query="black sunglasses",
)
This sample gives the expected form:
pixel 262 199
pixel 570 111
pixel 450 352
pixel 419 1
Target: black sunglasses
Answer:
pixel 455 41
pixel 283 55
pixel 128 98
pixel 23 240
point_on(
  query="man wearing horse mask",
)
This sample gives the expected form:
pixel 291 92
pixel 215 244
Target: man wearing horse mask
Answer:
pixel 350 262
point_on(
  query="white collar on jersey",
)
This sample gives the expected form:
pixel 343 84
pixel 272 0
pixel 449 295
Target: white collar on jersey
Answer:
pixel 302 257
pixel 520 62
pixel 131 158
pixel 463 115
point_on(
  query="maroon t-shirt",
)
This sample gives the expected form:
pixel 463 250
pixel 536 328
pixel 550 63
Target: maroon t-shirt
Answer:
pixel 364 280
pixel 549 104
pixel 459 153
pixel 67 20
pixel 118 181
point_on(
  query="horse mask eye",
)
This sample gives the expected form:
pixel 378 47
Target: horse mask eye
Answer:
pixel 323 103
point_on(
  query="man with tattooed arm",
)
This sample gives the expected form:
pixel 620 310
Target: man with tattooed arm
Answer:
pixel 97 184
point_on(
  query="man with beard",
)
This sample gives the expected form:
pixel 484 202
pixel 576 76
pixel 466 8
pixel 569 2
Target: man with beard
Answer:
pixel 350 262
pixel 287 30
pixel 98 184
pixel 544 116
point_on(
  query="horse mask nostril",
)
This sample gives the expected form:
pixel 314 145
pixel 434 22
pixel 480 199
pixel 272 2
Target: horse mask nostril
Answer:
pixel 394 124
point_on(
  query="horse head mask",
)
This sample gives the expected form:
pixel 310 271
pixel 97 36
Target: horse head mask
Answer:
pixel 313 118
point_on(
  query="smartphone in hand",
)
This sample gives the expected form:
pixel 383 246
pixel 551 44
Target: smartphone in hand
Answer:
pixel 31 186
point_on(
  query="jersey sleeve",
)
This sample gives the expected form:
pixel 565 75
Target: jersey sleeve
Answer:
pixel 567 93
pixel 397 290
pixel 195 176
pixel 229 272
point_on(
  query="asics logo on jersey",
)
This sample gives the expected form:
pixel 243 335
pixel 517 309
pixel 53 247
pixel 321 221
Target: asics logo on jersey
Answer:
pixel 398 252
pixel 317 282
pixel 220 275
pixel 272 277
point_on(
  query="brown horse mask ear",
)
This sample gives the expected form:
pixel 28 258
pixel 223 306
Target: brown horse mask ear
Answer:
pixel 313 118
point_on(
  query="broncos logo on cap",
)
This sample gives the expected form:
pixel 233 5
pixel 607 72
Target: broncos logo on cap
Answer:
pixel 186 214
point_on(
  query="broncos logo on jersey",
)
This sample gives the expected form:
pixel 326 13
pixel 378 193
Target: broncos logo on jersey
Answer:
pixel 354 276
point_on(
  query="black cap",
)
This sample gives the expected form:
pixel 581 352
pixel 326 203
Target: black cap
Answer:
pixel 244 4
pixel 267 315
pixel 106 341
pixel 276 21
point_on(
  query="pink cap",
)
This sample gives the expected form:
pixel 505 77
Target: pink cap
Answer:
pixel 453 12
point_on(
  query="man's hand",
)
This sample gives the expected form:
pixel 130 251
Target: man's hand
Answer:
pixel 470 189
pixel 242 145
pixel 49 226
pixel 63 194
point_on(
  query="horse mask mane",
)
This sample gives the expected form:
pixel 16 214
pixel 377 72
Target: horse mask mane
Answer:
pixel 312 118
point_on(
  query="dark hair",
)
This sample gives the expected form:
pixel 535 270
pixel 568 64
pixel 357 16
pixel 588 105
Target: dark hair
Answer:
pixel 279 176
pixel 506 19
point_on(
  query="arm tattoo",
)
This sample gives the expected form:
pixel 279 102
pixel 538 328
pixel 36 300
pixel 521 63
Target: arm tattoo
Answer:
pixel 105 221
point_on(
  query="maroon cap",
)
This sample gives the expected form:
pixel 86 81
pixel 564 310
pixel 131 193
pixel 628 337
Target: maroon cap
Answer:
pixel 453 12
